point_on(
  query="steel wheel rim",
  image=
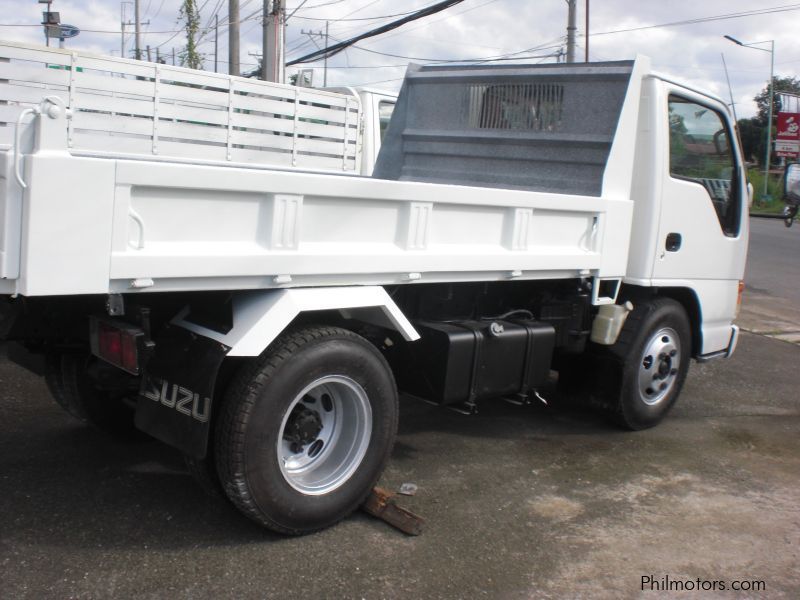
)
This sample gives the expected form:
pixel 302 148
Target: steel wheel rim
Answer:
pixel 344 418
pixel 659 366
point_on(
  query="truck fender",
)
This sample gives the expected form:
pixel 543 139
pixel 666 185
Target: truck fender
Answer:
pixel 260 316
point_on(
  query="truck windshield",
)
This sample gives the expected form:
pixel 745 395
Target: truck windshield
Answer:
pixel 700 151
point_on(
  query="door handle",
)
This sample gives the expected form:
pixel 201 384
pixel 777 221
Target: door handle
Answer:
pixel 673 242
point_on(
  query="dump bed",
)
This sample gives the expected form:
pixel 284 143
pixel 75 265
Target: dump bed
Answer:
pixel 107 201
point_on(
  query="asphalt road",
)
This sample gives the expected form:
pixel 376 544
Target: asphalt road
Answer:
pixel 529 502
pixel 772 281
pixel 773 258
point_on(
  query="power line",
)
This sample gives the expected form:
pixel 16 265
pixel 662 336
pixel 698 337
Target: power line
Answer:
pixel 344 19
pixel 367 5
pixel 336 48
pixel 429 23
pixel 739 15
pixel 510 56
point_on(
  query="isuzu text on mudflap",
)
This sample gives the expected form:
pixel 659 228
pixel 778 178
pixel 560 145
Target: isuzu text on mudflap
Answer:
pixel 196 255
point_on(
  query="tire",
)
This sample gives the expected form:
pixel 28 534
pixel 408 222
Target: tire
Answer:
pixel 789 213
pixel 55 384
pixel 306 429
pixel 69 379
pixel 641 376
pixel 204 472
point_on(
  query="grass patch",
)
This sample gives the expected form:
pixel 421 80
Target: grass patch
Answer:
pixel 772 205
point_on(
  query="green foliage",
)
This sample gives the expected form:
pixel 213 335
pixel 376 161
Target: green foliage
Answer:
pixel 774 189
pixel 753 139
pixel 779 84
pixel 753 132
pixel 190 57
pixel 677 134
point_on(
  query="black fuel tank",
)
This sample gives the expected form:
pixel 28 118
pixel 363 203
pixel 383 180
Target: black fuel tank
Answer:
pixel 460 361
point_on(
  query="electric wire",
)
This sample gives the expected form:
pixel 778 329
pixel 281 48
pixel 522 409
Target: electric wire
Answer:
pixel 336 48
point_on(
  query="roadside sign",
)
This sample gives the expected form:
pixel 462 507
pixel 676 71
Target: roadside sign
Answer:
pixel 787 140
pixel 68 31
pixel 787 148
pixel 61 31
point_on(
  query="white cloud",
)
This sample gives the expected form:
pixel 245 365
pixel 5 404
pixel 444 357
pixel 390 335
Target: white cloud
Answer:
pixel 472 29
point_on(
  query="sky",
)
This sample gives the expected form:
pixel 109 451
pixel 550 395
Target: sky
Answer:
pixel 528 30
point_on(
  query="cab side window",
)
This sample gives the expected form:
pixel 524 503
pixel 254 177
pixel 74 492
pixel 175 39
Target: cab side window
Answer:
pixel 700 151
pixel 385 110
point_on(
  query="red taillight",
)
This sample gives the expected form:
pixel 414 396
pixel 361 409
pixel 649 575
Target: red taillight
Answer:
pixel 116 343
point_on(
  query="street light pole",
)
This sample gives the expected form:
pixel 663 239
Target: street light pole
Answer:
pixel 771 100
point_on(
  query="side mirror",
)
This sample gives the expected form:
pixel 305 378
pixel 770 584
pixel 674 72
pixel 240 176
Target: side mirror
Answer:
pixel 791 183
pixel 721 142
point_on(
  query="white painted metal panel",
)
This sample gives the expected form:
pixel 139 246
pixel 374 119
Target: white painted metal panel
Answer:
pixel 205 223
pixel 132 100
pixel 260 317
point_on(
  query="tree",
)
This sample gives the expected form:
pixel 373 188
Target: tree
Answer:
pixel 752 135
pixel 190 57
pixel 779 84
pixel 753 132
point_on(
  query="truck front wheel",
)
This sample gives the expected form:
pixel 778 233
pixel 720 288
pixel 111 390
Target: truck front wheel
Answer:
pixel 650 361
pixel 306 429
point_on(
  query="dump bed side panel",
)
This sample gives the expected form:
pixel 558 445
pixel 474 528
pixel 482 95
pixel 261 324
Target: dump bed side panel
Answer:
pixel 547 128
pixel 133 108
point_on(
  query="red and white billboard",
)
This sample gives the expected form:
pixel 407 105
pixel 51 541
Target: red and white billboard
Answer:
pixel 787 140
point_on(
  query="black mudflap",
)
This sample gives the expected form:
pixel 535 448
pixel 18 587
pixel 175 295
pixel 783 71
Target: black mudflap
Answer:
pixel 177 389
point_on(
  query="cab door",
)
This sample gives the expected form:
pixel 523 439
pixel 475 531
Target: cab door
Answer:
pixel 702 233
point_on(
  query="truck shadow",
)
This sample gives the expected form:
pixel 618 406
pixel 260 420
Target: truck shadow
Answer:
pixel 77 487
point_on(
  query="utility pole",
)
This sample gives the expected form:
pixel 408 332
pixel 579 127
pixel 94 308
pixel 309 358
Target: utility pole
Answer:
pixel 216 43
pixel 325 67
pixel 46 20
pixel 148 54
pixel 571 28
pixel 312 35
pixel 273 63
pixel 138 29
pixel 173 57
pixel 233 37
pixel 587 32
pixel 123 24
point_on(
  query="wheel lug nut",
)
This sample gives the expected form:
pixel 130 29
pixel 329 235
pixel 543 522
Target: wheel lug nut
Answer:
pixel 673 353
pixel 673 372
pixel 663 386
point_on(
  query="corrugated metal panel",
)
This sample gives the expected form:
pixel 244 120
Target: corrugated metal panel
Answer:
pixel 539 127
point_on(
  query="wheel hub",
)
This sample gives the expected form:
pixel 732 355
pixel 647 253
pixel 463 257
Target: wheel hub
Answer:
pixel 325 434
pixel 658 368
pixel 303 427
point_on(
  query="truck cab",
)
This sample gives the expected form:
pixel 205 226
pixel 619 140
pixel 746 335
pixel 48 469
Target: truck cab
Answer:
pixel 690 227
pixel 376 111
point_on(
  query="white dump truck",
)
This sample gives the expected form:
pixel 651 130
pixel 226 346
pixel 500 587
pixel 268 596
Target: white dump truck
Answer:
pixel 197 255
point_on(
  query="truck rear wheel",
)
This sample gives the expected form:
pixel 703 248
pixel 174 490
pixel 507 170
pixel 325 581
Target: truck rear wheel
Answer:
pixel 71 382
pixel 650 361
pixel 306 430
